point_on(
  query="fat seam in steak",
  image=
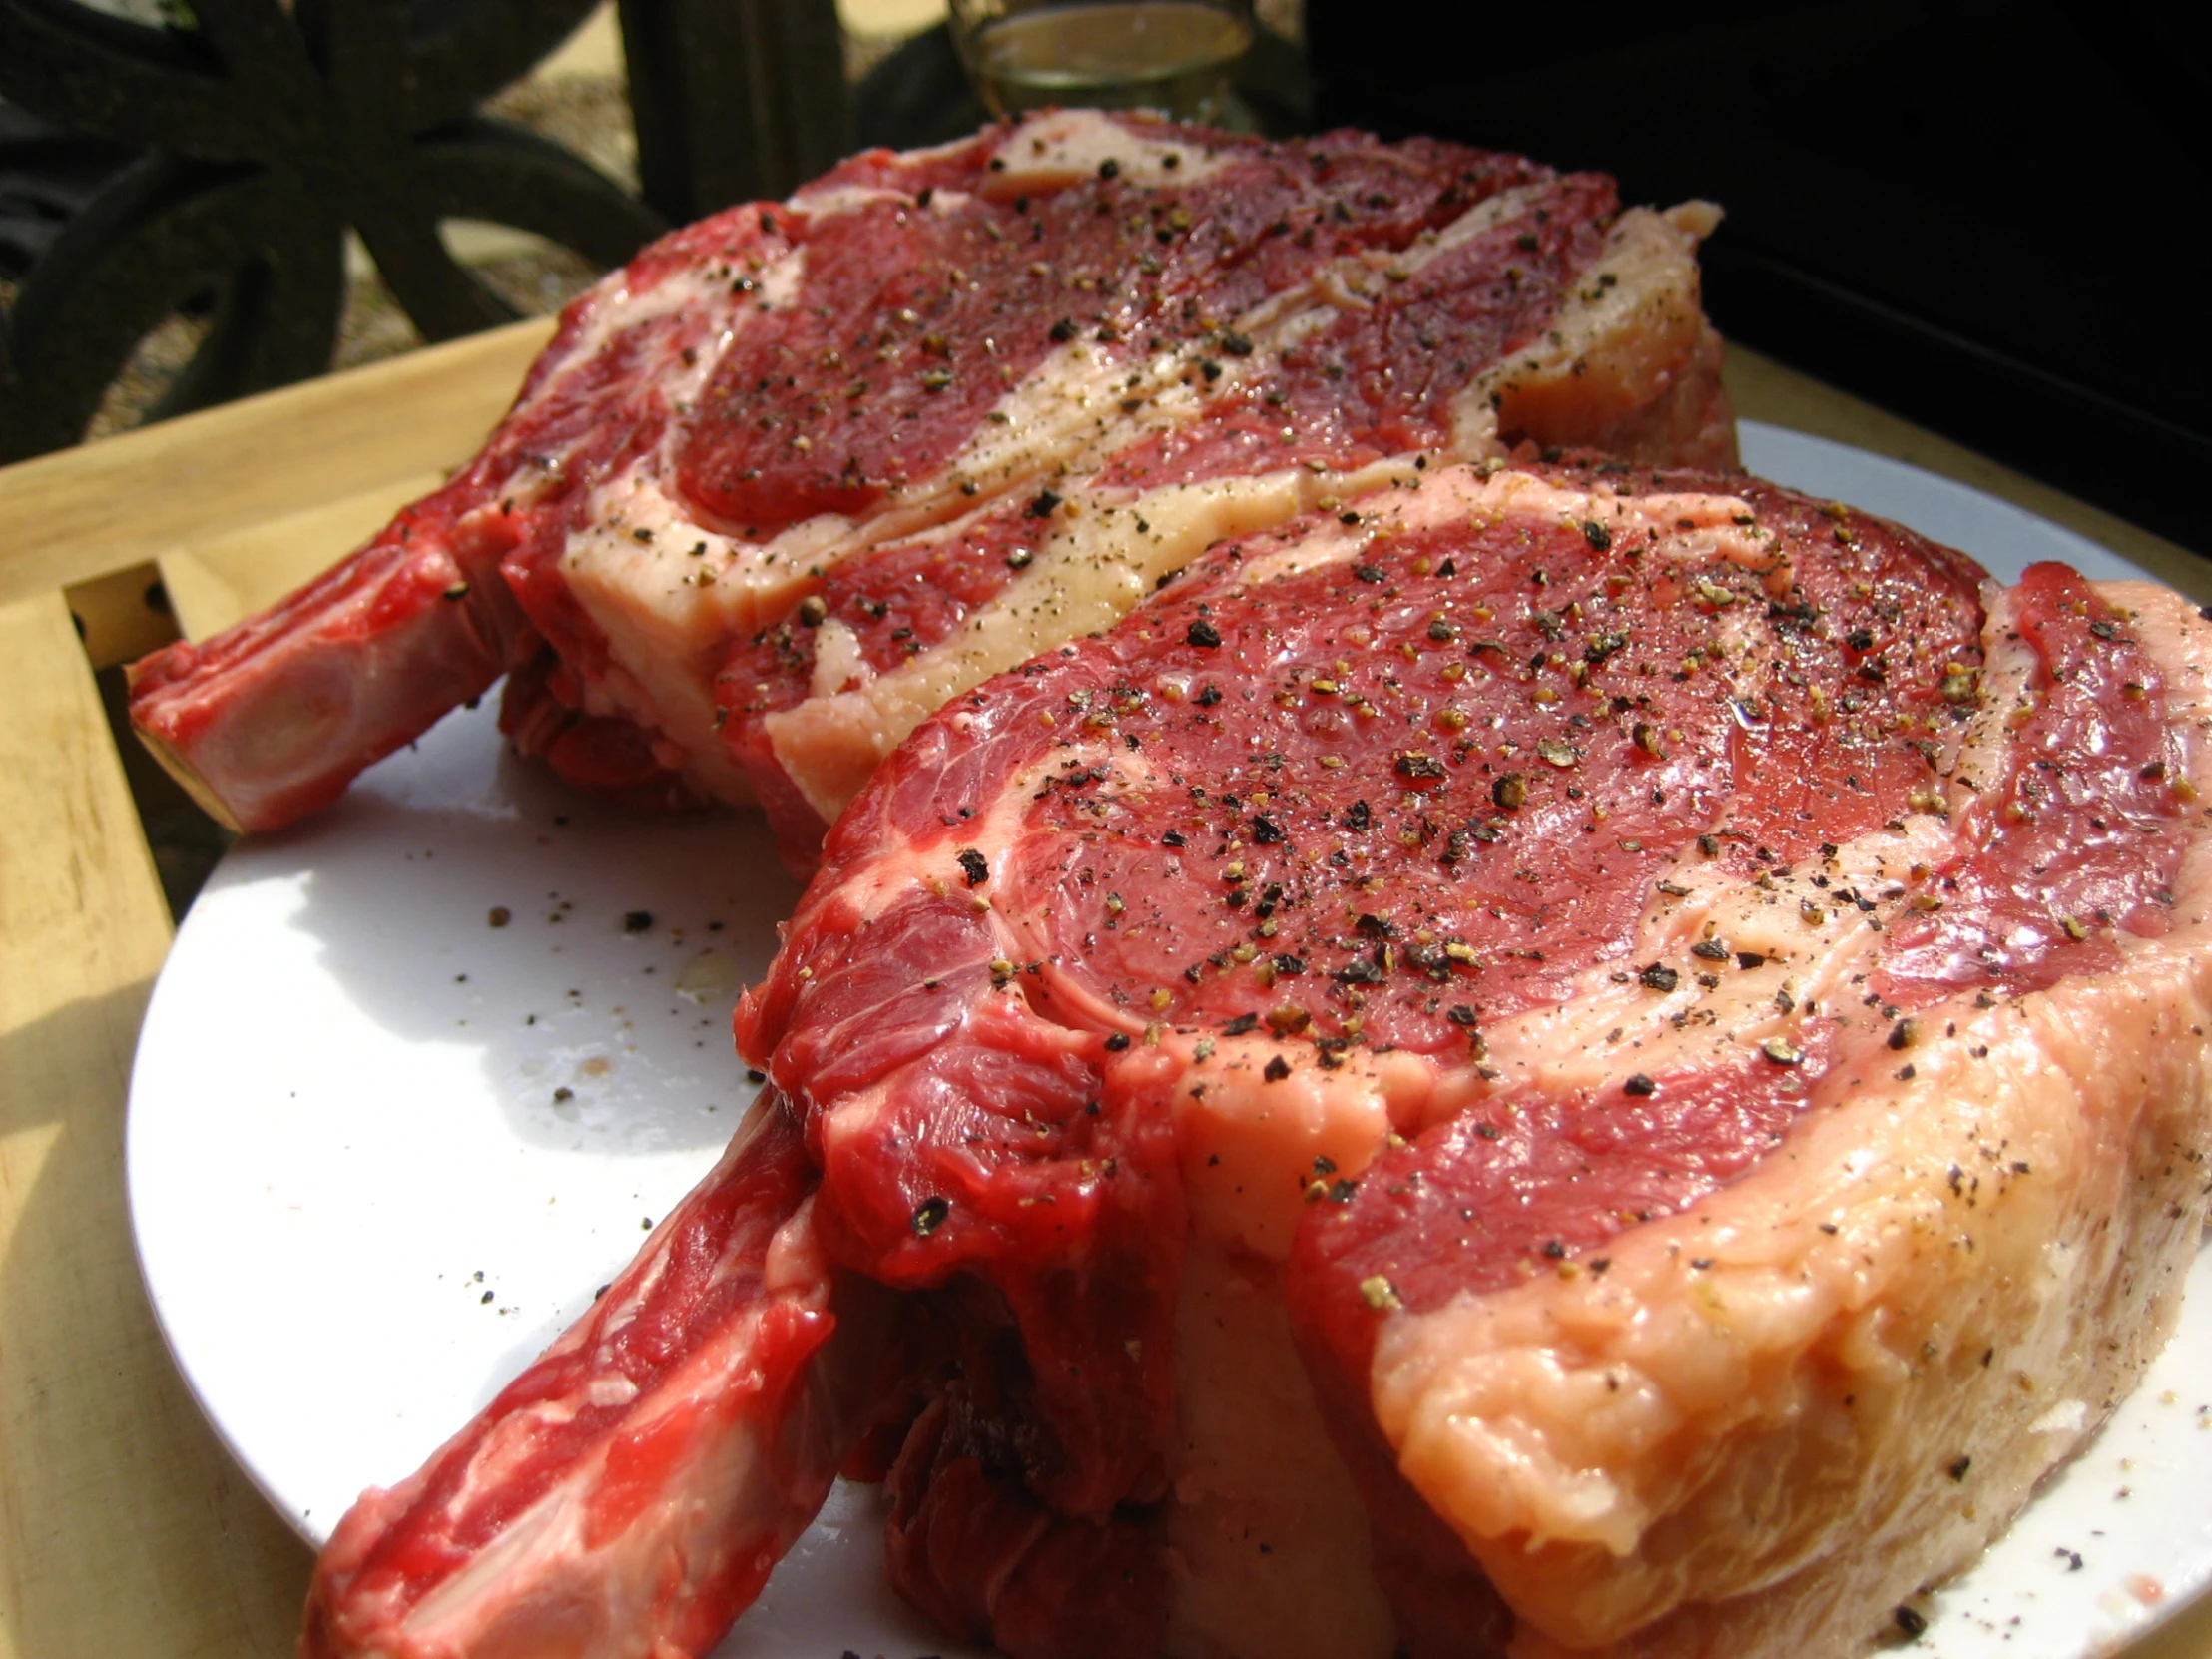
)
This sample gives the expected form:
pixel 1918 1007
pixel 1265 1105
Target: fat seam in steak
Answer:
pixel 1559 1056
pixel 804 470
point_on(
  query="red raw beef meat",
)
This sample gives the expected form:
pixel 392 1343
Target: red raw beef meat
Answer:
pixel 1559 1058
pixel 804 470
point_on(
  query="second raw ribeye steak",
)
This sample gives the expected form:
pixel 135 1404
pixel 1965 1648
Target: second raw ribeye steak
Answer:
pixel 804 470
pixel 1570 1058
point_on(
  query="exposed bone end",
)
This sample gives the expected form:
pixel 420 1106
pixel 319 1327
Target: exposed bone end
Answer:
pixel 177 767
pixel 266 747
pixel 269 721
pixel 257 755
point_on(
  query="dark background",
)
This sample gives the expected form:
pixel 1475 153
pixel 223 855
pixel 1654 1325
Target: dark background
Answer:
pixel 1976 215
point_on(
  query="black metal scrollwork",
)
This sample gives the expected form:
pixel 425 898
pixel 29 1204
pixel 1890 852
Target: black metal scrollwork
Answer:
pixel 268 129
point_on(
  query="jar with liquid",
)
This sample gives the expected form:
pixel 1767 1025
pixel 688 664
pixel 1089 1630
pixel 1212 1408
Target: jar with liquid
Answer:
pixel 1176 55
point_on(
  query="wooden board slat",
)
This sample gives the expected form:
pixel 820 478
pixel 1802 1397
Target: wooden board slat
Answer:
pixel 103 507
pixel 125 1528
pixel 2187 1635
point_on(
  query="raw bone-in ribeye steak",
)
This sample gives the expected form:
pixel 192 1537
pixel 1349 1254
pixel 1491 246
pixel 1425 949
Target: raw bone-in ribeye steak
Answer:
pixel 804 470
pixel 1563 1060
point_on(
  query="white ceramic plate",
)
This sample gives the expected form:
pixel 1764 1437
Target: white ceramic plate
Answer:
pixel 381 1150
